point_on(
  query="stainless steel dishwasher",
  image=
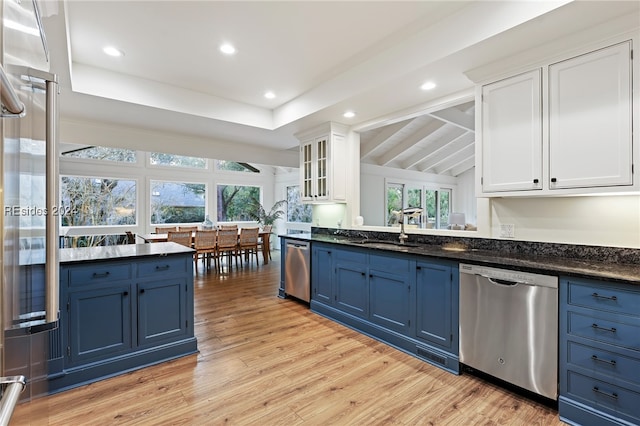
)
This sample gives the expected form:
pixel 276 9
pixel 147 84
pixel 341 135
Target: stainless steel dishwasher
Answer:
pixel 509 326
pixel 297 271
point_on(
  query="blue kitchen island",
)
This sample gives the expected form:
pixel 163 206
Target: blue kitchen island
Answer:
pixel 121 308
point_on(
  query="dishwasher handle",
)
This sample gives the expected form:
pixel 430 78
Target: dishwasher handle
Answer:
pixel 498 281
pixel 301 246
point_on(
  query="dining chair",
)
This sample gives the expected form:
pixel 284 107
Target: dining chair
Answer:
pixel 180 237
pixel 235 226
pixel 265 239
pixel 205 246
pixel 248 244
pixel 165 229
pixel 188 228
pixel 227 244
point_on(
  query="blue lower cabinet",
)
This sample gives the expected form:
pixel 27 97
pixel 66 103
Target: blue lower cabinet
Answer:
pixel 386 296
pixel 351 293
pixel 391 291
pixel 99 323
pixel 599 353
pixel 162 311
pixel 120 316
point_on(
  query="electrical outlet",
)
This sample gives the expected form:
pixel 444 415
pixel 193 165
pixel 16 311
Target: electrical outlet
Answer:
pixel 507 230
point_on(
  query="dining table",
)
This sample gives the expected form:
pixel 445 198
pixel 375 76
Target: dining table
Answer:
pixel 161 238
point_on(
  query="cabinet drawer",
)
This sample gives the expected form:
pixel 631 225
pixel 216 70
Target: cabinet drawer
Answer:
pixel 97 274
pixel 163 266
pixel 604 298
pixel 605 396
pixel 602 329
pixel 389 263
pixel 604 362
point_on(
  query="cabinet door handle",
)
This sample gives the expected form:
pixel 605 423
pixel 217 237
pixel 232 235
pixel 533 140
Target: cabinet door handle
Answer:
pixel 126 293
pixel 162 268
pixel 597 327
pixel 142 291
pixel 611 395
pixel 362 273
pixel 605 361
pixel 536 181
pixel 418 267
pixel 100 274
pixel 554 180
pixel 598 296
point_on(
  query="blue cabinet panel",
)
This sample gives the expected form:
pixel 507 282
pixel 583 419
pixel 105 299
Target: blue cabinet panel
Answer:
pixel 352 293
pixel 604 363
pixel 434 298
pixel 599 327
pixel 390 293
pixel 163 267
pixel 99 323
pixel 322 275
pixel 610 298
pixel 158 318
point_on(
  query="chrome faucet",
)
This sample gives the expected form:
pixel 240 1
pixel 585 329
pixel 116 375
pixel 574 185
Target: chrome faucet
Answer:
pixel 403 237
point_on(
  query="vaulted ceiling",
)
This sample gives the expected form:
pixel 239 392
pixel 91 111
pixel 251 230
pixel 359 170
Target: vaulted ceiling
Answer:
pixel 319 58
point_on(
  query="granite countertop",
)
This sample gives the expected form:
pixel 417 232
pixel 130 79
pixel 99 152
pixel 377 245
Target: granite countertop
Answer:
pixel 518 255
pixel 85 254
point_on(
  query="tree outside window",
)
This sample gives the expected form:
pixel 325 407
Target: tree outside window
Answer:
pixel 296 210
pixel 97 201
pixel 172 160
pixel 234 201
pixel 121 155
pixel 177 202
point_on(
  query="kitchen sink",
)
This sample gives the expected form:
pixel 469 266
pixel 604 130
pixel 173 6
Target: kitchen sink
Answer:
pixel 384 244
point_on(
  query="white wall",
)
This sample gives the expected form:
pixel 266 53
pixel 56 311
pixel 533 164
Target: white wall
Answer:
pixel 598 220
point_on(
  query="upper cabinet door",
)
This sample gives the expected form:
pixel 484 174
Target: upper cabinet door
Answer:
pixel 590 112
pixel 512 134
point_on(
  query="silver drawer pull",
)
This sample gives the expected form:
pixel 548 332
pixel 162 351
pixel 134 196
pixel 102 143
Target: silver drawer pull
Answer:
pixel 607 394
pixel 101 275
pixel 162 268
pixel 611 362
pixel 597 327
pixel 598 296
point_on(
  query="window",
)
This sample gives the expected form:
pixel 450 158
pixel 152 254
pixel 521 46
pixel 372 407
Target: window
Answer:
pixel 435 205
pixel 177 202
pixel 172 160
pixel 103 153
pixel 296 210
pixel 233 201
pixel 235 167
pixel 97 201
pixel 438 207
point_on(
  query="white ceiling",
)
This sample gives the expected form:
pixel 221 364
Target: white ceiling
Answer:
pixel 320 58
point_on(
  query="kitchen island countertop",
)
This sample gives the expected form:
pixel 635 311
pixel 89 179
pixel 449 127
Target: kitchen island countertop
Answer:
pixel 84 254
pixel 546 264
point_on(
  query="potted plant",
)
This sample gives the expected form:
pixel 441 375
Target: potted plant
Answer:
pixel 259 214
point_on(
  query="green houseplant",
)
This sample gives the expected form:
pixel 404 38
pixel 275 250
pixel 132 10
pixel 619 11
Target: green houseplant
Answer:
pixel 257 212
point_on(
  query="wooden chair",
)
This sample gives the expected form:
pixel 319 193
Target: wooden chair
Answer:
pixel 227 244
pixel 248 244
pixel 228 227
pixel 188 228
pixel 180 237
pixel 165 229
pixel 205 245
pixel 261 240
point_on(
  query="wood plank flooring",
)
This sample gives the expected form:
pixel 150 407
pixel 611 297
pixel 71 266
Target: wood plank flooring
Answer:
pixel 268 361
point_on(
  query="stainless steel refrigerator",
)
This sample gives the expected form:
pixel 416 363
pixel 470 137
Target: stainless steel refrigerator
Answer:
pixel 28 188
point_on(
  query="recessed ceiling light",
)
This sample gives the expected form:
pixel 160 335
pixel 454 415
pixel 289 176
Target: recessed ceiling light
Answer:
pixel 269 95
pixel 112 51
pixel 428 85
pixel 227 49
pixel 349 114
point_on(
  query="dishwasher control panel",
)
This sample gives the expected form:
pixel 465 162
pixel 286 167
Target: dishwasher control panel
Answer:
pixel 510 275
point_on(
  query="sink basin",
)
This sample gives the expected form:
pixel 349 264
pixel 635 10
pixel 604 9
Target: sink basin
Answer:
pixel 384 244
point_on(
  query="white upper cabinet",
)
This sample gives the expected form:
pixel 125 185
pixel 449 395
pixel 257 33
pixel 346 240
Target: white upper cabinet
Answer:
pixel 590 119
pixel 512 134
pixel 562 129
pixel 323 165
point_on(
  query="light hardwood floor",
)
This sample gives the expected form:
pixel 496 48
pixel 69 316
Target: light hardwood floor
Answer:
pixel 268 361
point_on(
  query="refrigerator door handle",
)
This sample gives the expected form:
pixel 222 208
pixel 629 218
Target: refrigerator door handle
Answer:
pixel 52 220
pixel 11 105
